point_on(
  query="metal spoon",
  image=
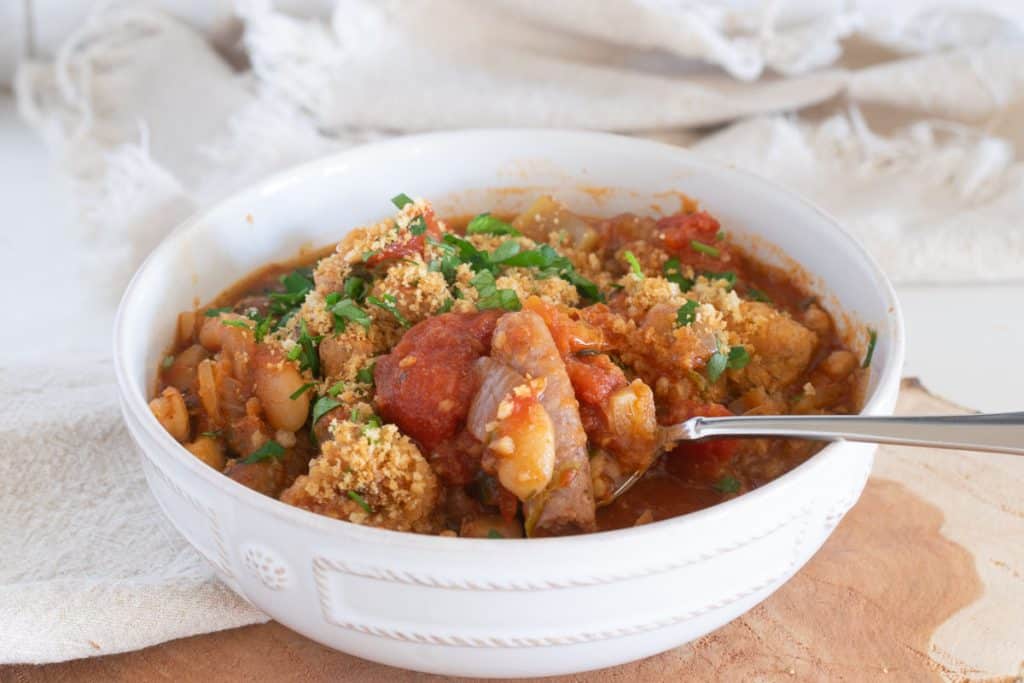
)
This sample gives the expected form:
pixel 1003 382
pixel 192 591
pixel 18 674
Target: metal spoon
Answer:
pixel 999 433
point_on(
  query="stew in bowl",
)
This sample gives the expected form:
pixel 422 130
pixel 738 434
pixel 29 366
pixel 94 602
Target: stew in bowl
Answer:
pixel 500 376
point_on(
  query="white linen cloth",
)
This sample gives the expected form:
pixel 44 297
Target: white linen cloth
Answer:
pixel 147 121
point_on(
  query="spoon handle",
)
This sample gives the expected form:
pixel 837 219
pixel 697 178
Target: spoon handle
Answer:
pixel 1001 433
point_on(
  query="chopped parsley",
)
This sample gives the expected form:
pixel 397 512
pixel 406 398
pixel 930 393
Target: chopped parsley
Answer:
pixel 263 326
pixel 467 253
pixel 336 389
pixel 738 357
pixel 167 362
pixel 388 303
pixel 369 254
pixel 727 275
pixel 242 324
pixel 214 434
pixel 417 226
pixel 716 365
pixel 504 251
pixel 673 272
pixel 355 288
pixel 447 305
pixel 494 533
pixel 305 350
pixel 360 501
pixel 346 311
pixel 509 254
pixel 703 248
pixel 301 390
pixel 365 375
pixel 872 340
pixel 727 484
pixel 214 312
pixel 720 235
pixel 270 449
pixel 372 423
pixel 634 264
pixel 297 284
pixel 491 296
pixel 686 313
pixel 757 295
pixel 324 405
pixel 719 362
pixel 486 224
pixel 447 262
pixel 400 200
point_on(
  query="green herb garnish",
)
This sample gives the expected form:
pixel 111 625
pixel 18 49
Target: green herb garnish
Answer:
pixel 270 449
pixel 355 288
pixel 467 253
pixel 738 357
pixel 336 389
pixel 486 224
pixel 446 306
pixel 324 405
pixel 491 296
pixel 400 200
pixel 872 340
pixel 345 311
pixel 214 312
pixel 494 533
pixel 369 254
pixel 718 362
pixel 448 261
pixel 504 251
pixel 720 235
pixel 301 390
pixel 686 313
pixel 699 246
pixel 297 284
pixel 263 327
pixel 365 375
pixel 757 295
pixel 373 422
pixel 167 362
pixel 242 324
pixel 307 354
pixel 716 365
pixel 634 264
pixel 388 303
pixel 417 226
pixel 361 501
pixel 673 272
pixel 215 434
pixel 727 275
pixel 727 484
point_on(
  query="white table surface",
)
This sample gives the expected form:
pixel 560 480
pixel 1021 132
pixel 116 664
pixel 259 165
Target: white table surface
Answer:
pixel 963 341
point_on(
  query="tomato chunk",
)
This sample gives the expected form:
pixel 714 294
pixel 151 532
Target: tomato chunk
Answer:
pixel 678 230
pixel 426 383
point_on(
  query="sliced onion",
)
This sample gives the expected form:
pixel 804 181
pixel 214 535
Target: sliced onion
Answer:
pixel 497 380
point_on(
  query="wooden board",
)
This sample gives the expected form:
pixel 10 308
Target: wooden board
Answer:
pixel 923 580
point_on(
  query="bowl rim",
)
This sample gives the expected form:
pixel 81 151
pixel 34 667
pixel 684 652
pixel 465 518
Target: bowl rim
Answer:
pixel 887 380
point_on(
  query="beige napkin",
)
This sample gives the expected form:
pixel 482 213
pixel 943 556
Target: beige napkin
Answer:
pixel 147 122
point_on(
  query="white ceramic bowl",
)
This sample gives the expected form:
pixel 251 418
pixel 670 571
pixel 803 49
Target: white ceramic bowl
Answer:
pixel 483 607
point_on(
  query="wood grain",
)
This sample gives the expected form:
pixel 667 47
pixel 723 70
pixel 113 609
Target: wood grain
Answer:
pixel 869 606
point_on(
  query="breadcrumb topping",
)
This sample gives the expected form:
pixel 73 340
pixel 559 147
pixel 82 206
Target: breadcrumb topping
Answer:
pixel 393 485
